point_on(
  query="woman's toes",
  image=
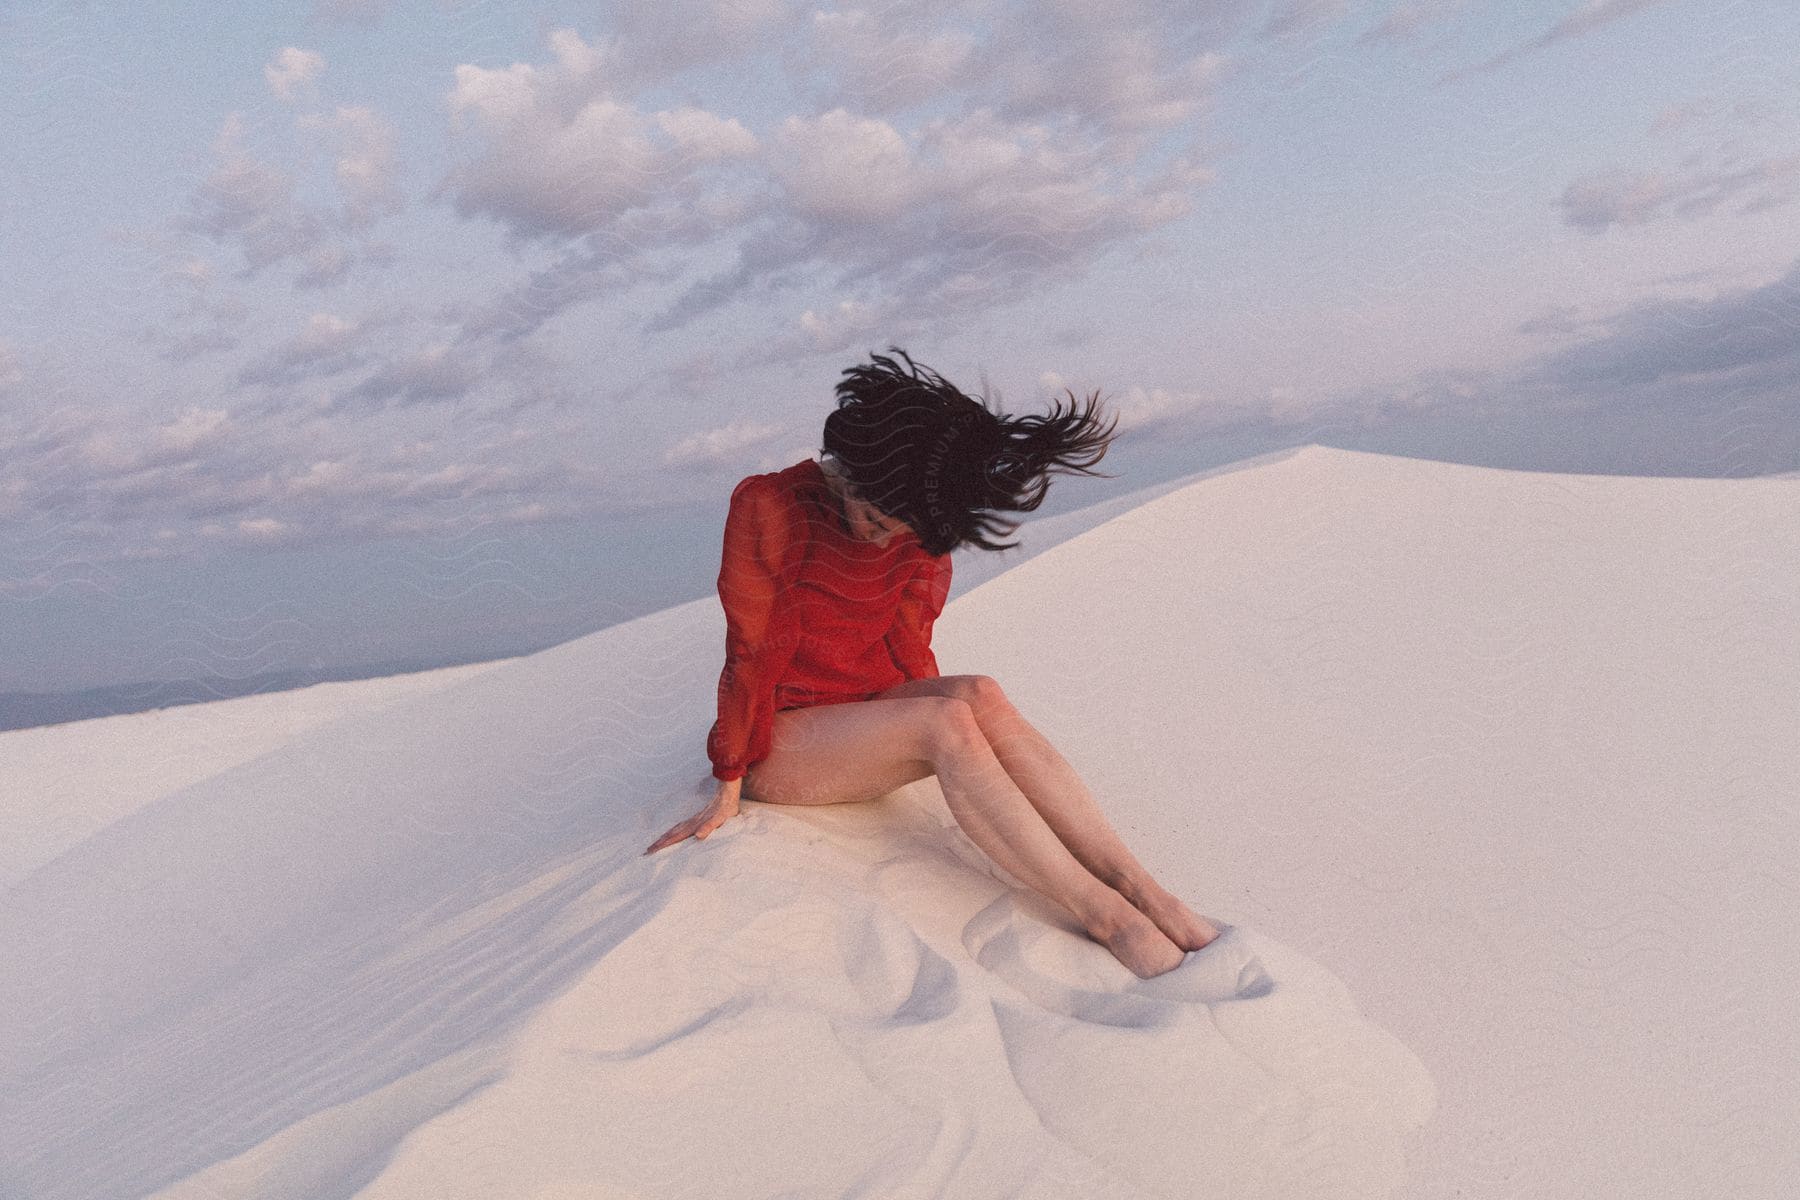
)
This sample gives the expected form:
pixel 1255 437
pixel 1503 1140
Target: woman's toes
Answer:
pixel 1179 923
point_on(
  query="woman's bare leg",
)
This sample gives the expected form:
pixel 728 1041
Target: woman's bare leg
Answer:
pixel 844 752
pixel 1067 807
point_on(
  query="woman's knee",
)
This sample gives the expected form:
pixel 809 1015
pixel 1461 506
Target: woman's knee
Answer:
pixel 985 693
pixel 947 725
pixel 977 691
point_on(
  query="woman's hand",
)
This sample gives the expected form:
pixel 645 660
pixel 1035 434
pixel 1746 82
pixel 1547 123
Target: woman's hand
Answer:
pixel 724 806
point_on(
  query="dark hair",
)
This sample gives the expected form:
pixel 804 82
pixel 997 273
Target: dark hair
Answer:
pixel 921 451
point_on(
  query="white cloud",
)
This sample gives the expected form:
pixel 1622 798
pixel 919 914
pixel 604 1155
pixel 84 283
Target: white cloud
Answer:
pixel 706 136
pixel 250 204
pixel 1305 17
pixel 1748 334
pixel 1142 409
pixel 291 71
pixel 439 371
pixel 838 327
pixel 559 155
pixel 714 447
pixel 365 165
pixel 325 345
pixel 1292 406
pixel 959 214
pixel 265 529
pixel 324 265
pixel 1406 18
pixel 138 486
pixel 843 167
pixel 1592 14
pixel 883 64
pixel 658 40
pixel 1034 164
pixel 325 334
pixel 119 452
pixel 1127 68
pixel 1596 202
pixel 1614 197
pixel 1715 118
pixel 195 430
pixel 1587 17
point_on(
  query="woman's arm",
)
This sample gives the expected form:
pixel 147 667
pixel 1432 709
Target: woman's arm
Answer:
pixel 921 602
pixel 761 529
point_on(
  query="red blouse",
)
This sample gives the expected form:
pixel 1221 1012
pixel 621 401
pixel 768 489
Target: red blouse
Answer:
pixel 813 615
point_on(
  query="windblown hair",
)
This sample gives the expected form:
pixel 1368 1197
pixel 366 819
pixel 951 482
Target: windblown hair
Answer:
pixel 921 451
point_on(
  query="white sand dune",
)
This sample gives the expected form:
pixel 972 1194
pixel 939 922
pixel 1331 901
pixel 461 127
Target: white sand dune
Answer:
pixel 1491 776
pixel 76 778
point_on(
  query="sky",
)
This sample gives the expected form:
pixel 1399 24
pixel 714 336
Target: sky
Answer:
pixel 348 331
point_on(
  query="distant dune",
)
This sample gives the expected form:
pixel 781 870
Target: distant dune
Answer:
pixel 31 710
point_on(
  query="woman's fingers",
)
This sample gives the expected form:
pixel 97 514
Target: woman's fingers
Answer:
pixel 674 835
pixel 696 826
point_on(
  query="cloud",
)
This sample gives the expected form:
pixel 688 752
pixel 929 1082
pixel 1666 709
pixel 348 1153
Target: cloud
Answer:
pixel 440 371
pixel 1660 386
pixel 571 280
pixel 1151 412
pixel 706 137
pixel 882 64
pixel 134 488
pixel 1124 70
pixel 1751 335
pixel 325 345
pixel 194 431
pixel 184 348
pixel 364 167
pixel 1589 16
pixel 841 167
pixel 263 530
pixel 964 213
pixel 849 322
pixel 558 156
pixel 1596 202
pixel 1305 17
pixel 1141 409
pixel 326 264
pixel 1025 170
pixel 720 447
pixel 107 452
pixel 658 40
pixel 292 70
pixel 1406 18
pixel 1033 164
pixel 250 204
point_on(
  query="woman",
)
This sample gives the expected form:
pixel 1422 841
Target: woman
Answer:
pixel 833 573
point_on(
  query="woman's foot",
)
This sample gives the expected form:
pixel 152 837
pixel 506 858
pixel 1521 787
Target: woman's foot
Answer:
pixel 1135 941
pixel 1179 923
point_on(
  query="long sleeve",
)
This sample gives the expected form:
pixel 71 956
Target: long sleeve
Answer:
pixel 762 527
pixel 909 640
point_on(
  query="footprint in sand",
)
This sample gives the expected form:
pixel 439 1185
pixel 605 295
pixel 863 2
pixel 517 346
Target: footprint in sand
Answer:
pixel 1064 971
